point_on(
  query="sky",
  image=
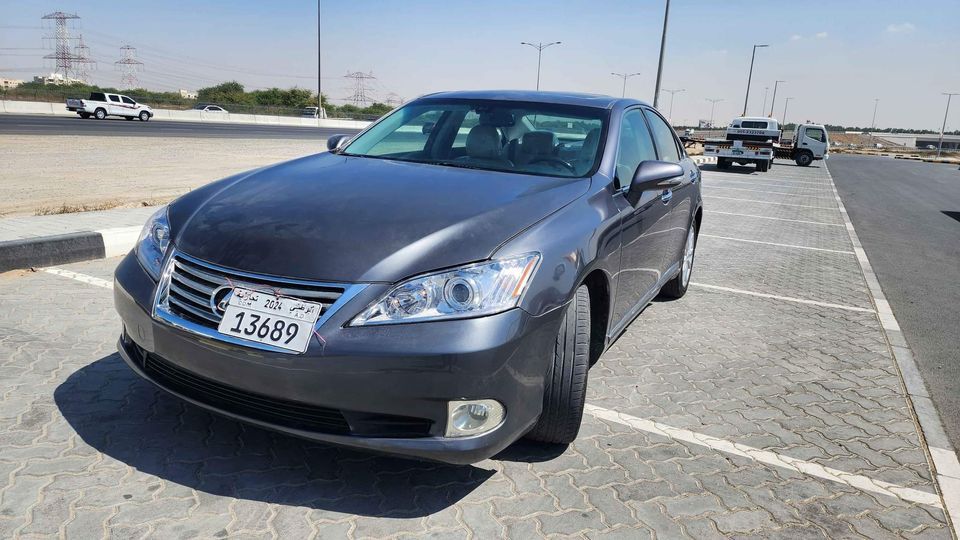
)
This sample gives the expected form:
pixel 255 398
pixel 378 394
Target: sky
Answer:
pixel 836 57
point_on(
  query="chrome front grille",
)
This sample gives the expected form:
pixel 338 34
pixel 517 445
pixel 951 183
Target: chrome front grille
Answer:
pixel 189 286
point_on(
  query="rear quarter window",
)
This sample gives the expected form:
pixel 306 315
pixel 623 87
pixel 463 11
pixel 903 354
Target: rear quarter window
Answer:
pixel 98 96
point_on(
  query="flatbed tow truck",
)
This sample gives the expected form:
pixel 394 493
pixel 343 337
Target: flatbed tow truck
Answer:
pixel 757 141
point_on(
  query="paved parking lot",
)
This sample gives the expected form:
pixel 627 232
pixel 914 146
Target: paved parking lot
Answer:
pixel 765 403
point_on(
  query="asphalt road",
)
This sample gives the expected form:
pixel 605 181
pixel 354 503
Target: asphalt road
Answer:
pixel 15 124
pixel 907 215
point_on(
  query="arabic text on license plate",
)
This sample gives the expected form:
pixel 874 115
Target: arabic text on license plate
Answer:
pixel 738 152
pixel 267 318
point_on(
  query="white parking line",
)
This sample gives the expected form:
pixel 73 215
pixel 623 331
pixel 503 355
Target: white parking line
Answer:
pixel 776 218
pixel 769 458
pixel 726 178
pixel 794 246
pixel 772 192
pixel 83 278
pixel 825 189
pixel 783 298
pixel 771 202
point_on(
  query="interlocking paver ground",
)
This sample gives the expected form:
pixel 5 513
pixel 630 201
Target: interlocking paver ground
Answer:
pixel 88 449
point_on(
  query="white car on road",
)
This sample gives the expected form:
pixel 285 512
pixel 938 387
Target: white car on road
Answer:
pixel 210 108
pixel 101 105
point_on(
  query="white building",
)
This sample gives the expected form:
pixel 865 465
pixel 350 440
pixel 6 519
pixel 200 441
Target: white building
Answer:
pixel 56 79
pixel 7 84
pixel 187 94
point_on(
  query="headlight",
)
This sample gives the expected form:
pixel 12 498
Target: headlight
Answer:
pixel 153 243
pixel 468 291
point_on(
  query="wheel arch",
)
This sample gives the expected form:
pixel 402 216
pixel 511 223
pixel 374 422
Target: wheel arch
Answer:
pixel 598 284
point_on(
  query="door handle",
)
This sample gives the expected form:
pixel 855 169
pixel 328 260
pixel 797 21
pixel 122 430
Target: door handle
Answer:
pixel 666 196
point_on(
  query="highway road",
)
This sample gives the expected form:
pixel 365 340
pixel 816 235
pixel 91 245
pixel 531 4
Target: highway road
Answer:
pixel 15 124
pixel 907 215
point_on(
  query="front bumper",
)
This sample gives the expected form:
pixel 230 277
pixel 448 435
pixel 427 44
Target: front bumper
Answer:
pixel 376 382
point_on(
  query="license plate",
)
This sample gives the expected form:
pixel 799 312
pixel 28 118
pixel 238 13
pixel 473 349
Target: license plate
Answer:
pixel 737 152
pixel 267 318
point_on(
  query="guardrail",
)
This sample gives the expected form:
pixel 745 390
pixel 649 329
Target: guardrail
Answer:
pixel 59 109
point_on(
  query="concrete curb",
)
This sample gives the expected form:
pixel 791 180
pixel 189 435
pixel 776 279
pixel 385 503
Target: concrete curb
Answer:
pixel 66 248
pixel 943 456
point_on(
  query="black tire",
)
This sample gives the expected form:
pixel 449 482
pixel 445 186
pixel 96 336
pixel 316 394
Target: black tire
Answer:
pixel 804 159
pixel 565 384
pixel 762 166
pixel 144 116
pixel 722 163
pixel 677 287
pixel 84 115
pixel 100 114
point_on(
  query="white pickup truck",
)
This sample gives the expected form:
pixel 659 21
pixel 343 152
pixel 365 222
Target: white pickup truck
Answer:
pixel 751 140
pixel 101 105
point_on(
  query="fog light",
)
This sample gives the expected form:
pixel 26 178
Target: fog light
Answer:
pixel 473 417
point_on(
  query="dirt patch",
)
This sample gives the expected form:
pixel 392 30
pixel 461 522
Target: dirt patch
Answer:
pixel 60 174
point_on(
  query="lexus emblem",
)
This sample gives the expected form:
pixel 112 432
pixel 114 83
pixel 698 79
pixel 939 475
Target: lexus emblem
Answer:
pixel 220 299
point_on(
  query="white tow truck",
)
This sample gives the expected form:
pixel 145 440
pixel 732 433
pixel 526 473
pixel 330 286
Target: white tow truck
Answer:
pixel 757 140
pixel 101 105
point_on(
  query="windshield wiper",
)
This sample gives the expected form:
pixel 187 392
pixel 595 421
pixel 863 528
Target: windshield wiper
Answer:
pixel 458 164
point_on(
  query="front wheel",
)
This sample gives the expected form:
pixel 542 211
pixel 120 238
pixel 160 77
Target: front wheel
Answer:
pixel 565 384
pixel 144 116
pixel 677 287
pixel 804 159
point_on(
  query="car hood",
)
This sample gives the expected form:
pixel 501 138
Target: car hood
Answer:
pixel 349 219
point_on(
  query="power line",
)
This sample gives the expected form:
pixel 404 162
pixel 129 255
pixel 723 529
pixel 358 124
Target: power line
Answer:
pixel 82 62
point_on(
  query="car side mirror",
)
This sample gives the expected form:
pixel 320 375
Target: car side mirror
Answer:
pixel 336 142
pixel 654 175
pixel 428 128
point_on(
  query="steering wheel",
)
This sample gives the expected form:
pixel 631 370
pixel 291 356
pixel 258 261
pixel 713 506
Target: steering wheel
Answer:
pixel 555 161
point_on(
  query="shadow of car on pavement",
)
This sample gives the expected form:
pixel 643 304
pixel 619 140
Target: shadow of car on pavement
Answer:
pixel 129 419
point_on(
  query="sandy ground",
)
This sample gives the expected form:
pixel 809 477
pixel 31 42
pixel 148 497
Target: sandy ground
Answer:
pixel 44 172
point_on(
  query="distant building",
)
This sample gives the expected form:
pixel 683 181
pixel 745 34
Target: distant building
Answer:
pixel 56 79
pixel 187 94
pixel 7 84
pixel 921 141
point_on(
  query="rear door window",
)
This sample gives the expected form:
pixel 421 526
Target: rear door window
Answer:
pixel 113 98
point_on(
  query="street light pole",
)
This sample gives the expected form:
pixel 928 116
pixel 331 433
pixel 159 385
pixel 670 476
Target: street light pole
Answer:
pixel 783 121
pixel 319 65
pixel 625 76
pixel 774 100
pixel 873 123
pixel 540 46
pixel 663 46
pixel 750 77
pixel 713 106
pixel 766 91
pixel 944 126
pixel 672 94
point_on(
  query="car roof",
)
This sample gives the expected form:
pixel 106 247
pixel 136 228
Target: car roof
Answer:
pixel 558 98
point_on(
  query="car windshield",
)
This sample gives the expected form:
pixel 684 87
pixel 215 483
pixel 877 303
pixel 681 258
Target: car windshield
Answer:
pixel 510 136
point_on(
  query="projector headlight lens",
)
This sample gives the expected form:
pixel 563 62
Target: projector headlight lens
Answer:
pixel 469 291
